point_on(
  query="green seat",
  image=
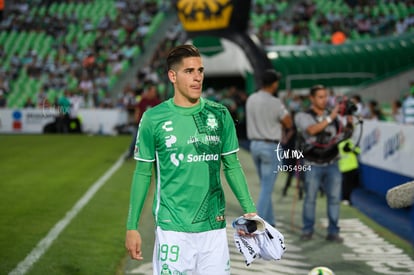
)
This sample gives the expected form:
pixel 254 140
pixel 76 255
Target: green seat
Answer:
pixel 112 80
pixel 3 37
pixel 125 65
pixel 53 8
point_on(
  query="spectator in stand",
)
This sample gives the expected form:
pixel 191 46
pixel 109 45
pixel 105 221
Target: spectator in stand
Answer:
pixel 235 100
pixel 29 103
pixel 331 99
pixel 408 107
pixel 148 100
pixel 102 81
pixel 42 101
pixel 86 87
pixel 4 84
pixel 63 118
pixel 89 63
pixel 3 101
pixel 1 9
pixel 15 65
pixel 348 18
pixel 117 65
pixel 106 101
pixel 338 37
pixel 2 50
pixel 361 111
pixel 375 112
pixel 21 17
pixel 400 26
pixel 397 114
pixel 76 102
pixel 127 99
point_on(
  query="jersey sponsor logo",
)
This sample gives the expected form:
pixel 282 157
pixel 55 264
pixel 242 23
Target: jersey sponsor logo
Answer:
pixel 177 158
pixel 167 126
pixel 192 139
pixel 212 121
pixel 203 157
pixel 214 139
pixel 205 139
pixel 170 140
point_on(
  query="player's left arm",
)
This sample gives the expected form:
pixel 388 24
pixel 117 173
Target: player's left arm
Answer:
pixel 237 181
pixel 232 168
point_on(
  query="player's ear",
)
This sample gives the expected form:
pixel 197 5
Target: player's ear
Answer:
pixel 172 75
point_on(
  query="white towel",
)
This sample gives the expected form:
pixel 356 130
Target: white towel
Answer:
pixel 266 243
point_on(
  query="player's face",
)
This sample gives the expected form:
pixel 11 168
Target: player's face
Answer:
pixel 187 78
pixel 320 99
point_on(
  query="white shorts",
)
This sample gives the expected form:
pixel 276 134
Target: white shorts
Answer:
pixel 184 253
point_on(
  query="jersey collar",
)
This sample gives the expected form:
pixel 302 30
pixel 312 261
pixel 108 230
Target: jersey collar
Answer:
pixel 187 111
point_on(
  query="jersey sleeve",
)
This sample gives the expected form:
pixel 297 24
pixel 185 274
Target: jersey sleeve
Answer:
pixel 237 181
pixel 139 190
pixel 230 141
pixel 145 143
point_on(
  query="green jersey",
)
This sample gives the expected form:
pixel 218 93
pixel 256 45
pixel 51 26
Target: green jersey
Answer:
pixel 187 145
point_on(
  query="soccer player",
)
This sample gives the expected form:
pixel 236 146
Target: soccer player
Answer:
pixel 187 137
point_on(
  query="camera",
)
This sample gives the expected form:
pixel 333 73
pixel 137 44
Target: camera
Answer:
pixel 346 106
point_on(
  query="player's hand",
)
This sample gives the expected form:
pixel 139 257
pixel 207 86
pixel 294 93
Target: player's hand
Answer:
pixel 133 244
pixel 249 215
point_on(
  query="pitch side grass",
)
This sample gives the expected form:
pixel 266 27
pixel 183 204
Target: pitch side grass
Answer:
pixel 42 177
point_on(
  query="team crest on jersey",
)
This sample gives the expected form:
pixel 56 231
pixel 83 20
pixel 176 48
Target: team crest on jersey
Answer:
pixel 165 270
pixel 212 121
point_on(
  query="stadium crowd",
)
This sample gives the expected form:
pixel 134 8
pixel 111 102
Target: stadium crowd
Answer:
pixel 86 69
pixel 85 54
pixel 313 22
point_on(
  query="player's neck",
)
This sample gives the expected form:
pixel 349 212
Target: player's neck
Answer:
pixel 185 102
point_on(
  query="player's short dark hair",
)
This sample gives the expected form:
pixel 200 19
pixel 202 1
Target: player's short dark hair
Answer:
pixel 269 77
pixel 177 54
pixel 315 89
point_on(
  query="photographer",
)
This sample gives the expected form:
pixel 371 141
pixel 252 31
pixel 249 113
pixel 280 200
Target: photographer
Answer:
pixel 320 131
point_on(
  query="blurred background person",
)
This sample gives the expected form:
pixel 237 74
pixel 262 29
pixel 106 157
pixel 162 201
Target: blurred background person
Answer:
pixel 319 128
pixel 348 165
pixel 148 100
pixel 266 116
pixel 408 107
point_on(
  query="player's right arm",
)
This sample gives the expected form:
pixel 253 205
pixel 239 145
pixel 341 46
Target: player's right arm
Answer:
pixel 145 152
pixel 139 190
